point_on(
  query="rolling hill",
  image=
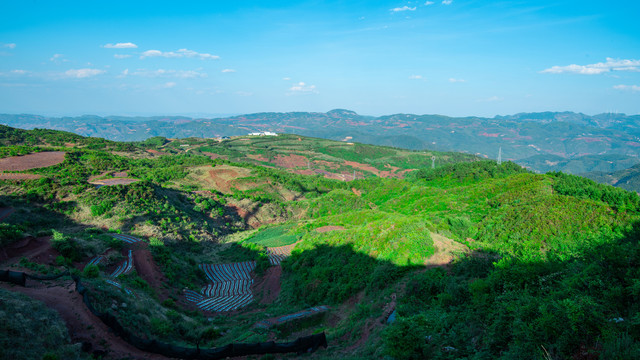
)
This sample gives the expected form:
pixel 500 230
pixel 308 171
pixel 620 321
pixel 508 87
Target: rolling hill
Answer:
pixel 256 239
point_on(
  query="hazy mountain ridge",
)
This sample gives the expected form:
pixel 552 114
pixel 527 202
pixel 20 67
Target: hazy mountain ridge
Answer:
pixel 565 134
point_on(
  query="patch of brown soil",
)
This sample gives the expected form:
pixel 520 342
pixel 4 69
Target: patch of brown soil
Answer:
pixel 114 181
pixel 304 172
pixel 257 157
pixel 5 212
pixel 363 167
pixel 28 247
pixel 329 164
pixel 150 272
pixel 14 176
pixel 94 177
pixel 268 288
pixel 155 152
pixel 291 161
pixel 327 228
pixel 32 161
pixel 446 249
pixel 214 156
pixel 82 324
pixel 120 174
pixel 222 178
pixel 356 192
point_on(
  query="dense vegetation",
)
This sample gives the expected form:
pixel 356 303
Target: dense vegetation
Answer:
pixel 544 266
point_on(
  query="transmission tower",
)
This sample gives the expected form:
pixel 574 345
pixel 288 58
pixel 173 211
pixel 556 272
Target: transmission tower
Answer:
pixel 433 162
pixel 500 156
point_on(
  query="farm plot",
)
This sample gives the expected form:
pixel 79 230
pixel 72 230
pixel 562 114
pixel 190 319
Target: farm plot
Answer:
pixel 277 254
pixel 125 267
pixel 32 161
pixel 291 317
pixel 230 287
pixel 126 238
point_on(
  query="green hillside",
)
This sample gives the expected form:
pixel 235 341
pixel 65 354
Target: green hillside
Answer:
pixel 469 259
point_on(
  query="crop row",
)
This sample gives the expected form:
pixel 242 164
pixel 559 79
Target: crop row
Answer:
pixel 125 267
pixel 227 288
pixel 96 260
pixel 225 303
pixel 229 272
pixel 126 238
pixel 277 254
pixel 118 285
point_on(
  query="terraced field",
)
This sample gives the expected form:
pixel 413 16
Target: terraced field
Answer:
pixel 230 287
pixel 277 254
pixel 126 238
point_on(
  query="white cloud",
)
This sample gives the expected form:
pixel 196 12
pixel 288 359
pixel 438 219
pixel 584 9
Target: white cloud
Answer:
pixel 454 80
pixel 228 71
pixel 429 3
pixel 57 58
pixel 181 53
pixel 415 77
pixel 404 8
pixel 19 72
pixel 286 78
pixel 121 56
pixel 126 45
pixel 634 88
pixel 595 69
pixel 83 73
pixel 10 46
pixel 447 2
pixel 125 72
pixel 169 85
pixel 302 88
pixel 492 99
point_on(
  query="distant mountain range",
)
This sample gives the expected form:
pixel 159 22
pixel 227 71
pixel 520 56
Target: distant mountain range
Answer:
pixel 546 141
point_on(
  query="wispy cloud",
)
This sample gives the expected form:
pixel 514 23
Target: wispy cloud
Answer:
pixel 57 58
pixel 286 78
pixel 181 53
pixel 182 74
pixel 169 85
pixel 454 80
pixel 83 73
pixel 404 8
pixel 126 45
pixel 595 69
pixel 121 56
pixel 10 46
pixel 415 77
pixel 302 88
pixel 634 88
pixel 429 3
pixel 228 71
pixel 447 2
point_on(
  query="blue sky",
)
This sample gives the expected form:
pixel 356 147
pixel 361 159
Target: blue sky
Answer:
pixel 452 57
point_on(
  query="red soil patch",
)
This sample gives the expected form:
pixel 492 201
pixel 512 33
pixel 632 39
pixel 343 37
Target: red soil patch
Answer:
pixel 120 174
pixel 82 324
pixel 329 164
pixel 356 192
pixel 115 181
pixel 14 176
pixel 364 167
pixel 291 161
pixel 5 212
pixel 149 271
pixel 268 288
pixel 257 157
pixel 221 178
pixel 327 228
pixel 32 161
pixel 155 152
pixel 28 247
pixel 214 156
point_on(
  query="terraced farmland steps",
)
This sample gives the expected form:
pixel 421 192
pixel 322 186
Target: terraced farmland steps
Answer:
pixel 230 287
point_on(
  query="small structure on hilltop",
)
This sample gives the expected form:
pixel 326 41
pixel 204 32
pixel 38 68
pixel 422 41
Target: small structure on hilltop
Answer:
pixel 263 133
